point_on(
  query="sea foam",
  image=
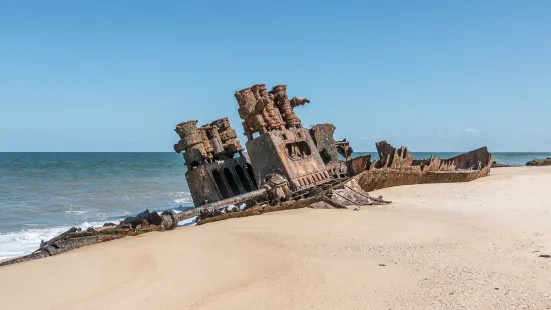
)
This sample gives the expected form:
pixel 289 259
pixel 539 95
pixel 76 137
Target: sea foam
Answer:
pixel 26 241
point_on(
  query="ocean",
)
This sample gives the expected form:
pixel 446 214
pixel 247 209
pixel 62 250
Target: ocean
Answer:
pixel 44 194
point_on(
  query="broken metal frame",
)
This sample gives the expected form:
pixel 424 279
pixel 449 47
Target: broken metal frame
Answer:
pixel 296 176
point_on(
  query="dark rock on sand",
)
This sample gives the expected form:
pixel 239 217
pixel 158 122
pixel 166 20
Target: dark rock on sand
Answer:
pixel 539 162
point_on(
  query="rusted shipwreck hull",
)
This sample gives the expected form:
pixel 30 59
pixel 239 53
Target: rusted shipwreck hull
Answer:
pixel 287 167
pixel 397 167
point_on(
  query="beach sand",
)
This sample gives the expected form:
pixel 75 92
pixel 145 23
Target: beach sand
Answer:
pixel 437 246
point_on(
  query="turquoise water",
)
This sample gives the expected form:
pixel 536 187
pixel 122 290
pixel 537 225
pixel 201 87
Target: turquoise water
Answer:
pixel 43 194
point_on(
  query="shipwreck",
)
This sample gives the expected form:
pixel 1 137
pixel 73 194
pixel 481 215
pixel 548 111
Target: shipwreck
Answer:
pixel 285 166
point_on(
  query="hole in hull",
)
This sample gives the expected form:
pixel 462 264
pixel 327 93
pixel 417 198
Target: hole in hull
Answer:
pixel 231 181
pixel 243 178
pixel 220 184
pixel 250 172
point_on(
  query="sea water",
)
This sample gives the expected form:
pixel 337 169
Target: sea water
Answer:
pixel 44 194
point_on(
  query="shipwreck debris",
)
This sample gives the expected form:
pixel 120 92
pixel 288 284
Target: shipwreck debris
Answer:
pixel 397 167
pixel 148 221
pixel 286 167
pixel 213 171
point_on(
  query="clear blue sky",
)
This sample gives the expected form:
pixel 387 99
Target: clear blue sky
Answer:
pixel 432 75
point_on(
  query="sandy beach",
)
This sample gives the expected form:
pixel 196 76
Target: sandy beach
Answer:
pixel 470 245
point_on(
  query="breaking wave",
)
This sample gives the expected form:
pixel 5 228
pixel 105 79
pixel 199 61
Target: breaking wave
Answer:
pixel 26 241
pixel 181 198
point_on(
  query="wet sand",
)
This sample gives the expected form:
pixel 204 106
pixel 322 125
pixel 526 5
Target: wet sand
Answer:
pixel 439 246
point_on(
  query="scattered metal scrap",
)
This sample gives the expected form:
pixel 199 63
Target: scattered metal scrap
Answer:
pixel 287 167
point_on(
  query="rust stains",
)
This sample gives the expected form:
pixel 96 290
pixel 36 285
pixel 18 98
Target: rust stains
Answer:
pixel 287 167
pixel 397 167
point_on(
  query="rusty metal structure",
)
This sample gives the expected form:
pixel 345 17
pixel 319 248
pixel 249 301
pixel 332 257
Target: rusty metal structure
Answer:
pixel 286 167
pixel 397 167
pixel 283 146
pixel 284 160
pixel 287 162
pixel 213 171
